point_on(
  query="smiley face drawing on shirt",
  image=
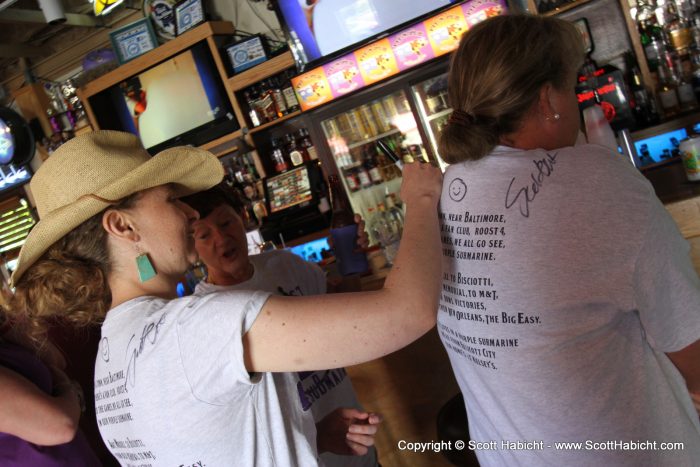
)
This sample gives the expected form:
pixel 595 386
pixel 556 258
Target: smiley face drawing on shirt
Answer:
pixel 457 190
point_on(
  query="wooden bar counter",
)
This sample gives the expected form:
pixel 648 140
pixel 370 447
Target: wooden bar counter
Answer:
pixel 682 200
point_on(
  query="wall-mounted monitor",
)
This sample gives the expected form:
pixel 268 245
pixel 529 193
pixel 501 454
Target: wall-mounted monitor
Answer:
pixel 322 29
pixel 179 101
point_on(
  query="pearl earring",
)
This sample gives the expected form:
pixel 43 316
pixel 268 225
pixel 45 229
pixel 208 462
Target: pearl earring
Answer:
pixel 556 116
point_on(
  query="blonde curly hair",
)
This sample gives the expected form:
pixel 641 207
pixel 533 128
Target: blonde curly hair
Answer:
pixel 68 283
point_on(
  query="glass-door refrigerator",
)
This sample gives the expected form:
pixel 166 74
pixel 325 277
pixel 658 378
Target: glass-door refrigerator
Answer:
pixel 369 176
pixel 433 109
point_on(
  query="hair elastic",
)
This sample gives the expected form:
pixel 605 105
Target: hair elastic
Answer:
pixel 460 117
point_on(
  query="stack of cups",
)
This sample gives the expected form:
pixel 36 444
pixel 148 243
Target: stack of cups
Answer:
pixel 598 129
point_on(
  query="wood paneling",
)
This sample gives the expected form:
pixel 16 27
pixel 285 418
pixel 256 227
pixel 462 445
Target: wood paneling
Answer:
pixel 686 213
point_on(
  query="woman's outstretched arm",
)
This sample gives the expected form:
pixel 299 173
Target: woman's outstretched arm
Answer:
pixel 330 331
pixel 37 417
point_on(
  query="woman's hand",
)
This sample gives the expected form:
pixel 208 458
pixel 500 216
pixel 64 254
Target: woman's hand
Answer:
pixel 362 237
pixel 347 432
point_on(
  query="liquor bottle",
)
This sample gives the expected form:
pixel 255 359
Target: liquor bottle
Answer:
pixel 666 91
pixel 295 155
pixel 677 28
pixel 645 156
pixel 280 104
pixel 266 103
pixel 290 98
pixel 651 37
pixel 250 166
pixel 686 95
pixel 350 259
pixel 371 166
pixel 642 108
pixel 394 212
pixel 363 176
pixel 307 144
pixel 252 113
pixel 351 179
pixel 695 70
pixel 278 157
pixel 385 232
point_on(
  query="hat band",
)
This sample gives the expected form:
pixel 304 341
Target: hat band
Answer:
pixel 99 198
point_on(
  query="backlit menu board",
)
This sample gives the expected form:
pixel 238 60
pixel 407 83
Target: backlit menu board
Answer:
pixel 391 55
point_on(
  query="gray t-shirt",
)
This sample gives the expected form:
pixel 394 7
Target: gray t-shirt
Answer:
pixel 171 387
pixel 315 393
pixel 565 282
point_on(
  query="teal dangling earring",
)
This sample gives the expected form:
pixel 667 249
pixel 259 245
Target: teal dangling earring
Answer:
pixel 145 267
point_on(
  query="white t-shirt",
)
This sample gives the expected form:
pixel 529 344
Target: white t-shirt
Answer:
pixel 565 282
pixel 171 387
pixel 316 392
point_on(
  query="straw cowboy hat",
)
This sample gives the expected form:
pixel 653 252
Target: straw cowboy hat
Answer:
pixel 92 171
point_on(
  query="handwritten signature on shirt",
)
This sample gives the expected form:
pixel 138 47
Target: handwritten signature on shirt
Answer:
pixel 527 194
pixel 149 335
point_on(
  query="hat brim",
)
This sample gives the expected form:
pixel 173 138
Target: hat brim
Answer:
pixel 190 170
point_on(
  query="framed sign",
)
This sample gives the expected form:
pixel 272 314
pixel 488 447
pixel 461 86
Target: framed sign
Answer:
pixel 246 53
pixel 133 40
pixel 188 14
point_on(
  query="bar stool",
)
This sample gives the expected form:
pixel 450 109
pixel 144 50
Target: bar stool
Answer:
pixel 452 426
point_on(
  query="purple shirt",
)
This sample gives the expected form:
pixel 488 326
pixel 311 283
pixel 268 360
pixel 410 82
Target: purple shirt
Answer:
pixel 16 452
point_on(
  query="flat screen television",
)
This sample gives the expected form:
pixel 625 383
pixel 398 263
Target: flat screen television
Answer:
pixel 179 101
pixel 290 189
pixel 322 29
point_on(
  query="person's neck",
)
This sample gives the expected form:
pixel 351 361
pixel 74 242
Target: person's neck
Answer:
pixel 219 277
pixel 124 290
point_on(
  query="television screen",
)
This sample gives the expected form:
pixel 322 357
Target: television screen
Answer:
pixel 179 101
pixel 289 189
pixel 311 251
pixel 660 147
pixel 319 28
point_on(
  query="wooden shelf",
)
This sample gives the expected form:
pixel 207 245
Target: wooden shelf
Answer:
pixel 682 121
pixel 274 122
pixel 566 7
pixel 219 146
pixel 259 72
pixel 155 56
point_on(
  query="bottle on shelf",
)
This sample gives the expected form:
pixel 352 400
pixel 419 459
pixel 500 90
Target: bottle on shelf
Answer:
pixel 666 90
pixel 251 104
pixel 677 27
pixel 371 165
pixel 343 229
pixel 651 37
pixel 695 69
pixel 363 176
pixel 266 103
pixel 684 88
pixel 351 179
pixel 645 156
pixel 295 155
pixel 280 104
pixel 394 212
pixel 642 104
pixel 278 157
pixel 385 232
pixel 306 143
pixel 290 97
